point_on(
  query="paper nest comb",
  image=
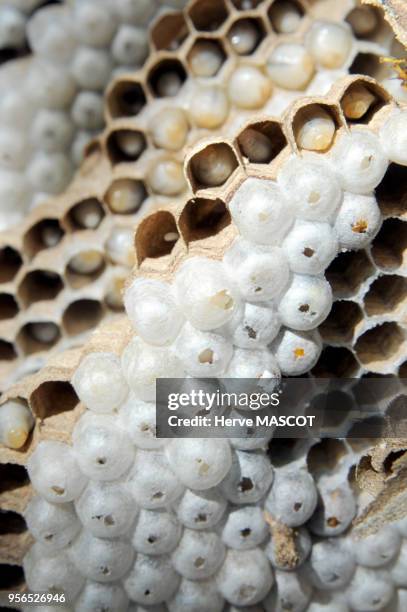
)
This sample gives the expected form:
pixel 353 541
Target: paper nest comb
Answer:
pixel 369 321
pixel 144 140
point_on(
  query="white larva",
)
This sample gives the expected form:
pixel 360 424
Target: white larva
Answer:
pixel 125 196
pixel 213 166
pixel 120 246
pixel 166 177
pixel 87 214
pixel 249 88
pixel 285 17
pixel 168 84
pixel 329 43
pixel 290 66
pixel 244 37
pixel 315 130
pixel 357 101
pixel 86 262
pixel 205 58
pixel 16 422
pixel 169 129
pixel 261 212
pixel 130 143
pixel 208 107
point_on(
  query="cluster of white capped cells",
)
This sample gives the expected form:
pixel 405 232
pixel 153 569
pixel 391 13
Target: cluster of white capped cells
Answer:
pixel 124 520
pixel 51 104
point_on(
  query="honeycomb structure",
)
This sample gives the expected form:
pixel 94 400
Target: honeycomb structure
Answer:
pixel 145 139
pixel 201 225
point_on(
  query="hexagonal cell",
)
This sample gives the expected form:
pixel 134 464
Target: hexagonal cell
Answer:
pixel 391 194
pixel 372 388
pixel 8 306
pixel 246 5
pixel 207 16
pixel 245 35
pixel 156 236
pixel 206 57
pixel 166 78
pixel 87 214
pixel 368 64
pixel 361 101
pixel 52 398
pixel 169 32
pixel 314 127
pixel 11 577
pixel 125 196
pixel 285 16
pixel 12 522
pixel 348 272
pixel 212 166
pixel 126 99
pixel 365 21
pixel 39 285
pixel 328 452
pixel 43 235
pixel 335 362
pixel 10 263
pixel 203 218
pixel 125 145
pixel 389 246
pixel 385 295
pixel 85 267
pixel 340 325
pixel 379 345
pixel 81 316
pixel 261 142
pixel 38 336
pixel 7 351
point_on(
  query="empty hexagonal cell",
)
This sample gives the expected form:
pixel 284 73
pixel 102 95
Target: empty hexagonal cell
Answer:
pixel 126 99
pixel 389 246
pixel 285 16
pixel 81 316
pixel 202 218
pixel 12 523
pixel 10 263
pixel 169 31
pixel 85 267
pixel 156 236
pixel 43 235
pixel 385 295
pixel 245 35
pixel 166 78
pixel 206 57
pixel 38 336
pixel 53 397
pixel 11 576
pixel 209 15
pixel 125 145
pixel 261 142
pixel 391 194
pixel 361 101
pixel 329 451
pixel 335 362
pixel 8 306
pixel 378 348
pixel 125 196
pixel 87 214
pixel 340 325
pixel 368 64
pixel 314 127
pixel 212 166
pixel 7 351
pixel 39 285
pixel 372 388
pixel 348 272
